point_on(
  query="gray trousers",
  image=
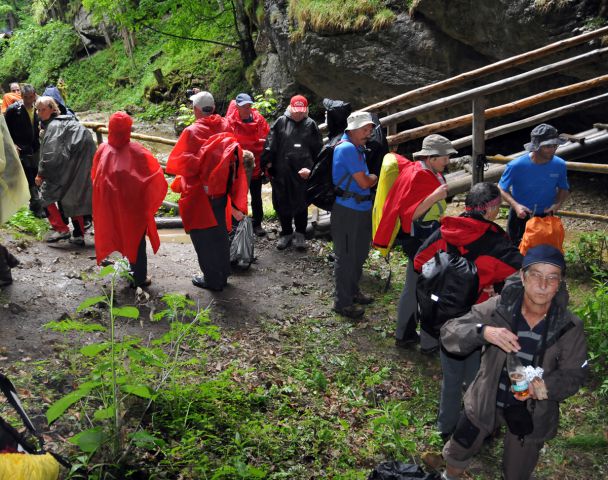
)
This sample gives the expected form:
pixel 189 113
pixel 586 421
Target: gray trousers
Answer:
pixel 456 371
pixel 518 461
pixel 212 247
pixel 351 232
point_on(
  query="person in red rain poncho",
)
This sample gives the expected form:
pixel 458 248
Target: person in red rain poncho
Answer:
pixel 128 188
pixel 209 171
pixel 251 130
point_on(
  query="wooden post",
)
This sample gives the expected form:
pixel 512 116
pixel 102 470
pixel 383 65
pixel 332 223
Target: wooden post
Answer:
pixel 98 136
pixel 479 143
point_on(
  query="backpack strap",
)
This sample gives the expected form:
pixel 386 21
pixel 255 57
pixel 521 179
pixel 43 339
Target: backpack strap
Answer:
pixel 9 391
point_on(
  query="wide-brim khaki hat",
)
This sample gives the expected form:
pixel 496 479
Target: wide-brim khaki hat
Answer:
pixel 358 119
pixel 435 145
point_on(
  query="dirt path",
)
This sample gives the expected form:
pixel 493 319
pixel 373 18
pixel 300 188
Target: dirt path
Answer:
pixel 52 281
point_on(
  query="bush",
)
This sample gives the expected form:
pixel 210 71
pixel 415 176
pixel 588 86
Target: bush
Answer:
pixel 36 54
pixel 589 256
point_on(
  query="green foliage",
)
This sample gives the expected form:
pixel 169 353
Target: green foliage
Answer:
pixel 36 53
pixel 588 255
pixel 338 16
pixel 266 103
pixel 25 222
pixel 594 312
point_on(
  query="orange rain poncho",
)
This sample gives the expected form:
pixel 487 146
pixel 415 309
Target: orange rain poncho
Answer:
pixel 128 188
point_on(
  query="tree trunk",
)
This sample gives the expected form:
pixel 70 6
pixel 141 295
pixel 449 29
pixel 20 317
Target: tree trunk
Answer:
pixel 242 25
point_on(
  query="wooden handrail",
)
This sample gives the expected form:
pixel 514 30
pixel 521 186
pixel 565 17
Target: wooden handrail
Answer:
pixel 514 61
pixel 533 120
pixel 495 67
pixel 102 128
pixel 500 110
pixel 491 87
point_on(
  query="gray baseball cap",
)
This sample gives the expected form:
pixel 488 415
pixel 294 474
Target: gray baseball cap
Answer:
pixel 435 145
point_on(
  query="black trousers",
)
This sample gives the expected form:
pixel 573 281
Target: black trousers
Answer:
pixel 300 219
pixel 213 248
pixel 139 269
pixel 257 210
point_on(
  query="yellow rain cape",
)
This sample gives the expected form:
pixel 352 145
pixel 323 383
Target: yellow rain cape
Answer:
pixel 14 192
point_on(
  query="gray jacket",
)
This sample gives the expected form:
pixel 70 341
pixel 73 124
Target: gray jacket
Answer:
pixel 564 364
pixel 66 157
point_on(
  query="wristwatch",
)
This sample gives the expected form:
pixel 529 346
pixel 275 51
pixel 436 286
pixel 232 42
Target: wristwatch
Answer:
pixel 479 328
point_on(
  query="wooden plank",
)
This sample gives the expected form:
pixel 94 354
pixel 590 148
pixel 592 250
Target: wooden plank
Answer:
pixel 493 87
pixel 498 111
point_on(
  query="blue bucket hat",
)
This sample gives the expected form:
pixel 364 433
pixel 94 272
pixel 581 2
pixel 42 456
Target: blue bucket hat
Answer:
pixel 544 254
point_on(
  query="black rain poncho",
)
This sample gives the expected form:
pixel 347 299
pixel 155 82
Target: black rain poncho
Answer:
pixel 289 147
pixel 66 157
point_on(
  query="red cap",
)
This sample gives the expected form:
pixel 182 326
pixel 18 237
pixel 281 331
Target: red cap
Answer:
pixel 298 103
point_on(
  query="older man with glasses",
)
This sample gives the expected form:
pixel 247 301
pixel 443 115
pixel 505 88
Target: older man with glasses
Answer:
pixel 530 320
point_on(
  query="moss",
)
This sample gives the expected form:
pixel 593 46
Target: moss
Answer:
pixel 338 16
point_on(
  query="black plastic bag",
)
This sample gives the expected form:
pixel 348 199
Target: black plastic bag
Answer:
pixel 400 471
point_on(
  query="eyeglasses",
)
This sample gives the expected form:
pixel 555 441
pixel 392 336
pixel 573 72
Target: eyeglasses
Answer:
pixel 537 277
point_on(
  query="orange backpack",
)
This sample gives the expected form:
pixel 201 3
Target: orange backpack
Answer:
pixel 543 230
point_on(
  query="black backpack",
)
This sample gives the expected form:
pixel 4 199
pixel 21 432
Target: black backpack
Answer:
pixel 447 288
pixel 320 190
pixel 376 147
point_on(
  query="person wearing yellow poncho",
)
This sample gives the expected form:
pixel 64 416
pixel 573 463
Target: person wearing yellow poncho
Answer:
pixel 14 193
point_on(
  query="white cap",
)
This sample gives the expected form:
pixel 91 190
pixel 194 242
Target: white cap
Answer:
pixel 358 119
pixel 202 100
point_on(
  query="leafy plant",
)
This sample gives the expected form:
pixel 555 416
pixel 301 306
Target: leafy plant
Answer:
pixel 589 255
pixel 266 103
pixel 24 221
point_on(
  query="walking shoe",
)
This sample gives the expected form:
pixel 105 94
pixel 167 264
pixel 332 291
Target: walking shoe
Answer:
pixel 362 299
pixel 56 236
pixel 200 282
pixel 299 241
pixel 259 230
pixel 407 342
pixel 284 241
pixel 77 241
pixel 352 311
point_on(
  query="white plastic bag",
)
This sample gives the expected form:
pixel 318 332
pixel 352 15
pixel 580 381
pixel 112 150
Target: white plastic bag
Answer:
pixel 241 248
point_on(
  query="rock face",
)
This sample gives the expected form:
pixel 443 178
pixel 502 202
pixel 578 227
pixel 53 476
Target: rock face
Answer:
pixel 440 40
pixel 94 37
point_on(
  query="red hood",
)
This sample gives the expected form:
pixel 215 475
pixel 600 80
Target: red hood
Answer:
pixel 461 231
pixel 119 129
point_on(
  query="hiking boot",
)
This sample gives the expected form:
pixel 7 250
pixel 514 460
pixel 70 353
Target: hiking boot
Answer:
pixel 299 242
pixel 200 282
pixel 362 299
pixel 79 241
pixel 407 342
pixel 259 230
pixel 56 236
pixel 284 241
pixel 352 311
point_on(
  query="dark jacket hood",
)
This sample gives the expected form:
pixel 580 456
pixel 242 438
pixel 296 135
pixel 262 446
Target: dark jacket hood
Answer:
pixel 337 113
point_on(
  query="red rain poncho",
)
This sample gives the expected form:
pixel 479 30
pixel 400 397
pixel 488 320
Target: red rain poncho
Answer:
pixel 128 188
pixel 250 135
pixel 412 186
pixel 219 165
